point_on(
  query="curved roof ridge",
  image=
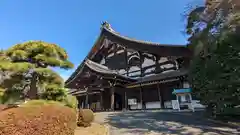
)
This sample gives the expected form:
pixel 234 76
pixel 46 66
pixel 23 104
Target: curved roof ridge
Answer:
pixel 107 27
pixel 103 69
pixel 98 67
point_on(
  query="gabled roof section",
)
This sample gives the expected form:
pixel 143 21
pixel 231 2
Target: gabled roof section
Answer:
pixel 144 46
pixel 155 48
pixel 98 68
pixel 108 31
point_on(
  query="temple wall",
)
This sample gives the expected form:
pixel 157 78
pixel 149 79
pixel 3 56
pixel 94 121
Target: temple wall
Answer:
pixel 135 64
pixel 130 62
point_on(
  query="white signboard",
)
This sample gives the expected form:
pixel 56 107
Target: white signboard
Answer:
pixel 132 101
pixel 175 105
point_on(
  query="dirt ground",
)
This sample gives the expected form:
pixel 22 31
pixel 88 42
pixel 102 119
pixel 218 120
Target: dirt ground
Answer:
pixel 94 129
pixel 161 123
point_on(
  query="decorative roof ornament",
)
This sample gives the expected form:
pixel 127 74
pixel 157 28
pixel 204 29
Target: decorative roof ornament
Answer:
pixel 106 25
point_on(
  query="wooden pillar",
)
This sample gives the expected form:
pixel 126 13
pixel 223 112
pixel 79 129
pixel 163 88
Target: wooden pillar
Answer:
pixel 181 82
pixel 82 103
pixel 141 70
pixel 159 95
pixel 112 98
pixel 125 98
pixel 141 101
pixel 79 102
pixel 86 101
pixel 140 63
pixel 101 101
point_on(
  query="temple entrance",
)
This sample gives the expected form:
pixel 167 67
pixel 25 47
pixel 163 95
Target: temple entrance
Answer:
pixel 118 101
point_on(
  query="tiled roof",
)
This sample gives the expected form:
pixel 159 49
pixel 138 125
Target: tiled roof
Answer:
pixel 162 76
pixel 139 45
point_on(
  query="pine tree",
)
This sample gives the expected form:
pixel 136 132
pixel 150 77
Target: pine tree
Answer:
pixel 29 65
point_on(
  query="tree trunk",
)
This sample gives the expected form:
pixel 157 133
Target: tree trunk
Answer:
pixel 33 92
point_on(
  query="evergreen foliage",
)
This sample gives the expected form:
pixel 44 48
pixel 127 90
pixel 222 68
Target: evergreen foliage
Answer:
pixel 71 101
pixel 215 70
pixel 26 69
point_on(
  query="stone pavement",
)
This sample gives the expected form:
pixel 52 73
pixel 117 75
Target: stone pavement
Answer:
pixel 161 123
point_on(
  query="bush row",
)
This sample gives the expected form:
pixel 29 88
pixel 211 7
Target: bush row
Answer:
pixel 38 120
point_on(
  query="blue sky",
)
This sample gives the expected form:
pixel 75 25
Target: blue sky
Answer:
pixel 75 24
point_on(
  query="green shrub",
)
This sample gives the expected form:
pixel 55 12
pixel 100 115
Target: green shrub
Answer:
pixel 229 114
pixel 54 93
pixel 41 120
pixel 10 96
pixel 85 117
pixel 1 96
pixel 41 103
pixel 71 101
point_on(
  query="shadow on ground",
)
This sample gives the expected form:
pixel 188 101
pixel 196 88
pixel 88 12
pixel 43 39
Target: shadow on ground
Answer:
pixel 180 123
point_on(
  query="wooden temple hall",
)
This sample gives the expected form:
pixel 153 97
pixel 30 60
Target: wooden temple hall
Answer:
pixel 121 73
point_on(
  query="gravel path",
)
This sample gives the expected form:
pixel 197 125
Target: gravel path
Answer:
pixel 161 123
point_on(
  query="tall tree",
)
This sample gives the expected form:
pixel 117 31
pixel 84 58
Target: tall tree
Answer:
pixel 31 62
pixel 214 37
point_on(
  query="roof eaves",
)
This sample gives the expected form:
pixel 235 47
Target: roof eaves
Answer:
pixel 162 76
pixel 99 68
pixel 140 41
pixel 90 55
pixel 103 69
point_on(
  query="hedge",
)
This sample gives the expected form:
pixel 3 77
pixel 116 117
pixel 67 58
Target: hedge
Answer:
pixel 41 103
pixel 85 117
pixel 38 120
pixel 71 101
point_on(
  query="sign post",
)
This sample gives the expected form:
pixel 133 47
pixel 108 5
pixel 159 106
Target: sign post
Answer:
pixel 132 101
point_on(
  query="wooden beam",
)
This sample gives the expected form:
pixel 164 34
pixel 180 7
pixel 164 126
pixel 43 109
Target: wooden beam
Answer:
pixel 134 71
pixel 84 94
pixel 151 83
pixel 111 78
pixel 126 60
pixel 157 66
